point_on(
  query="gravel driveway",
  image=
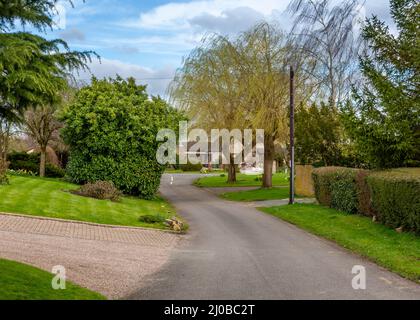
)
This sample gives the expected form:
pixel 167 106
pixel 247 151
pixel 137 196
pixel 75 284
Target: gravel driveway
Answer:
pixel 114 261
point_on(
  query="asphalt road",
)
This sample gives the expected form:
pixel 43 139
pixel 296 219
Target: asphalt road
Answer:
pixel 237 252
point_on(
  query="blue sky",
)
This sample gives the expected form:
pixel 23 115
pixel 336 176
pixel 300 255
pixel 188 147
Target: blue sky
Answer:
pixel 148 39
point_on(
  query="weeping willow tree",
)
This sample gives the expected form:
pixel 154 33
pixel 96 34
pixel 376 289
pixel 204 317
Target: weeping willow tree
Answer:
pixel 208 88
pixel 238 84
pixel 265 55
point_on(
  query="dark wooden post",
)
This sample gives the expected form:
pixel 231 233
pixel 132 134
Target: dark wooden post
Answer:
pixel 292 137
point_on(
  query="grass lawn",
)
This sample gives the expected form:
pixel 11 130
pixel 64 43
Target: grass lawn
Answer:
pixel 51 198
pixel 176 171
pixel 398 252
pixel 243 180
pixel 257 195
pixel 22 282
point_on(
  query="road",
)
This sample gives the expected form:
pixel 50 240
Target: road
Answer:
pixel 234 251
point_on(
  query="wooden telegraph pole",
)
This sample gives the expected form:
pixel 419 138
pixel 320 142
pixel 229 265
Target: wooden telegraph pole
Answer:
pixel 292 136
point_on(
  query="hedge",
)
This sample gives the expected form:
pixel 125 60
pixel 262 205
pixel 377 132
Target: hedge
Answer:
pixel 392 196
pixel 30 162
pixel 336 187
pixel 396 197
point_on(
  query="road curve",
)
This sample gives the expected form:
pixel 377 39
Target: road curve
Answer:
pixel 236 252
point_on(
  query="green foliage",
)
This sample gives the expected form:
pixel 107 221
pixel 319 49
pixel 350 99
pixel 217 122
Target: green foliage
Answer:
pixel 190 167
pixel 103 190
pixel 385 119
pixel 37 13
pixel 344 193
pixel 111 129
pixel 30 163
pixel 34 69
pixel 335 187
pixel 321 138
pixel 395 196
pixel 391 196
pixel 318 134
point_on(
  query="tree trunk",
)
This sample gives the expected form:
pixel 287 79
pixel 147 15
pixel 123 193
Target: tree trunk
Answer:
pixel 231 170
pixel 268 162
pixel 42 162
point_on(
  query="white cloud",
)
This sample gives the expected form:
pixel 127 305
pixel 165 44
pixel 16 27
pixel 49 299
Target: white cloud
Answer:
pixel 157 80
pixel 232 21
pixel 178 15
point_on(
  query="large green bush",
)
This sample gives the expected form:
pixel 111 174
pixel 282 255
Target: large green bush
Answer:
pixel 336 187
pixel 111 129
pixel 396 198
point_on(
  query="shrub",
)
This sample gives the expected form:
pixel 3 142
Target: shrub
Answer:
pixel 103 190
pixel 21 161
pixel 396 198
pixel 191 167
pixel 111 130
pixel 336 187
pixel 322 184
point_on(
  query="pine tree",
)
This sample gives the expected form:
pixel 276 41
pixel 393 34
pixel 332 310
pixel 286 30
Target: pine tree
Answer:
pixel 33 70
pixel 385 121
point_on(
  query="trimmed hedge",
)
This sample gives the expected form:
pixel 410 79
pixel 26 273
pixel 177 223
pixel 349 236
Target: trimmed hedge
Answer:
pixel 392 196
pixel 396 197
pixel 30 162
pixel 336 187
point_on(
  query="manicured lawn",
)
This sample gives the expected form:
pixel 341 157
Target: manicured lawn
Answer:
pixel 397 252
pixel 51 198
pixel 22 282
pixel 173 171
pixel 258 194
pixel 243 180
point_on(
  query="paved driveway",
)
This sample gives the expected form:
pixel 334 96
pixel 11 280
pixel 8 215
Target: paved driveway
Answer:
pixel 236 252
pixel 112 261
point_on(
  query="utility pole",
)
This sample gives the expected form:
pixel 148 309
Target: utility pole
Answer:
pixel 292 136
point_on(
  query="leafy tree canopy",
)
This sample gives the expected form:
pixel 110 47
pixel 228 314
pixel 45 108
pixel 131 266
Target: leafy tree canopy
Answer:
pixel 385 119
pixel 34 70
pixel 111 129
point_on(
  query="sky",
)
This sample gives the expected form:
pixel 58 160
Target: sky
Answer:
pixel 148 39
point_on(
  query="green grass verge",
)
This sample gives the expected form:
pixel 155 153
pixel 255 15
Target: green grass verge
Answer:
pixel 257 195
pixel 398 252
pixel 243 180
pixel 51 198
pixel 22 282
pixel 173 171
